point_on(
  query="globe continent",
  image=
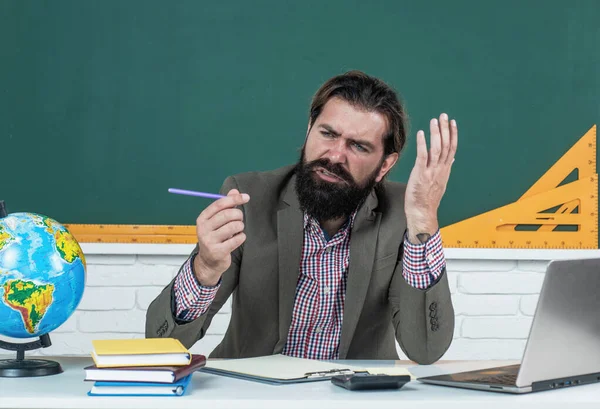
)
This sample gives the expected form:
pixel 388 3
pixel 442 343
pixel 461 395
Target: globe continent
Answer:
pixel 42 275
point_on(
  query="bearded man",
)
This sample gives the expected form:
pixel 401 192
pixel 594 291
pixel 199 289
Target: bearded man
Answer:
pixel 326 259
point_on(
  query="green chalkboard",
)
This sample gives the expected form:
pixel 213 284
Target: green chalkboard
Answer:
pixel 106 104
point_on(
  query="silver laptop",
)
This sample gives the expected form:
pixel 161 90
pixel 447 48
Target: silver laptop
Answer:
pixel 563 348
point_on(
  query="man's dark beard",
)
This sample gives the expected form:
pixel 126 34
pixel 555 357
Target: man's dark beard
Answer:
pixel 325 200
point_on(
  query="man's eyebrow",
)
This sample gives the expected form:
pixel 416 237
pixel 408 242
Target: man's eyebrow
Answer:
pixel 365 143
pixel 330 129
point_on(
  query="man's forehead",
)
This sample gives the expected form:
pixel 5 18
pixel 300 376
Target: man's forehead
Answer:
pixel 352 121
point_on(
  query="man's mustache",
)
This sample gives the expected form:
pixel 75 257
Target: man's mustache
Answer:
pixel 335 168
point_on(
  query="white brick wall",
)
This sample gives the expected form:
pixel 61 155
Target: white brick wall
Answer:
pixel 494 302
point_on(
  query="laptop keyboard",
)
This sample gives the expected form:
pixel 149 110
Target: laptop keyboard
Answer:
pixel 506 379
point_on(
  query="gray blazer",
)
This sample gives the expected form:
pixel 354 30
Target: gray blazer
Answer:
pixel 380 305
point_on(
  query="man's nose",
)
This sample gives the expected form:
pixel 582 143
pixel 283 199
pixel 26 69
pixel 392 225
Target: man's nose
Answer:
pixel 337 153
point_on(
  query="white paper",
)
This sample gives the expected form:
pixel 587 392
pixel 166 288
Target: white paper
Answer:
pixel 277 366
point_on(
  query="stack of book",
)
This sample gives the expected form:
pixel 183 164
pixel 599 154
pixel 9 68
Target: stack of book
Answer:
pixel 141 367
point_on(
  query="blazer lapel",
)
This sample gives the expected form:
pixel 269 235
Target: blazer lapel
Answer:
pixel 290 234
pixel 363 240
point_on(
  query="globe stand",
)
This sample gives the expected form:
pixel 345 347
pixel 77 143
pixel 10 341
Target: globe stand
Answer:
pixel 21 367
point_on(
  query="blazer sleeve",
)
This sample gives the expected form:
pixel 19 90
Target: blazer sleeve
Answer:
pixel 161 321
pixel 423 319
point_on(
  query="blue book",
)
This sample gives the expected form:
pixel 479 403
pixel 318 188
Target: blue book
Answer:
pixel 140 388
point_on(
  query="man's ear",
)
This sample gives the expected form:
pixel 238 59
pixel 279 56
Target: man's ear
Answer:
pixel 389 161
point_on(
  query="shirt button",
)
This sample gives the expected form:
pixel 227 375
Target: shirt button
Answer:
pixel 326 290
pixel 327 249
pixel 429 258
pixel 318 330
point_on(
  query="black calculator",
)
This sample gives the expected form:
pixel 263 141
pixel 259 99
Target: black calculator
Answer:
pixel 365 381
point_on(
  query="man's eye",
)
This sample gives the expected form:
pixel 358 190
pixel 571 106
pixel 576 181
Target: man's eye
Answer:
pixel 359 147
pixel 326 134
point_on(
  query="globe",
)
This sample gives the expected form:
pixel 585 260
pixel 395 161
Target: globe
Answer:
pixel 42 275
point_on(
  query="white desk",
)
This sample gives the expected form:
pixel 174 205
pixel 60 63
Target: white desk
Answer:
pixel 68 390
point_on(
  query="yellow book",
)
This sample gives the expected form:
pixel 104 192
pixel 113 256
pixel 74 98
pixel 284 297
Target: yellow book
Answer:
pixel 109 353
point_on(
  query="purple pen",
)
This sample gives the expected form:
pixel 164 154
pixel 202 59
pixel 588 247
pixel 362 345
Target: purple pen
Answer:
pixel 192 193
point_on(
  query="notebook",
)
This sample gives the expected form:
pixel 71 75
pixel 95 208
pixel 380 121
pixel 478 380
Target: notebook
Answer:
pixel 139 352
pixel 278 369
pixel 140 388
pixel 159 374
pixel 562 347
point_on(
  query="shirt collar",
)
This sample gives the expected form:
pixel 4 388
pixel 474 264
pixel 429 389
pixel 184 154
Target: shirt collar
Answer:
pixel 312 223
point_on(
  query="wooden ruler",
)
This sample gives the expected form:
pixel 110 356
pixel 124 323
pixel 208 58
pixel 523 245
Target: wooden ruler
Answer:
pixel 550 215
pixel 131 233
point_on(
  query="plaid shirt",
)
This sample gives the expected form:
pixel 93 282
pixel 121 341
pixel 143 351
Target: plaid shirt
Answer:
pixel 318 309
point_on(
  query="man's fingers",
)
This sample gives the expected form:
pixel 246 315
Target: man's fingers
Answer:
pixel 222 218
pixel 421 150
pixel 233 243
pixel 435 142
pixel 230 201
pixel 225 232
pixel 445 133
pixel 453 142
